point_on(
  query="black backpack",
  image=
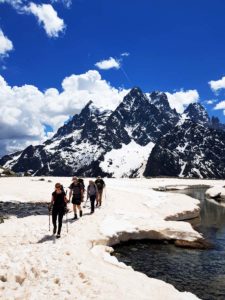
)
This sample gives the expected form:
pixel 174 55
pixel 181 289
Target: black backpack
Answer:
pixel 77 190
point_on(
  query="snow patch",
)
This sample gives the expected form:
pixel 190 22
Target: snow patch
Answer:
pixel 129 158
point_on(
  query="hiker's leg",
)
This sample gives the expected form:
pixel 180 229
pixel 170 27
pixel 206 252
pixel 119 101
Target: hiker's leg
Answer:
pixel 100 197
pixel 75 211
pixel 97 200
pixel 80 209
pixel 92 199
pixel 54 218
pixel 60 217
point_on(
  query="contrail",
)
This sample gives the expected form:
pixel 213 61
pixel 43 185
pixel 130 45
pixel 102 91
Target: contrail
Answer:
pixel 125 74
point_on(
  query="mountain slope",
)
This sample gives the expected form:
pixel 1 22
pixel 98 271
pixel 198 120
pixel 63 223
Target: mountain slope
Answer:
pixel 190 150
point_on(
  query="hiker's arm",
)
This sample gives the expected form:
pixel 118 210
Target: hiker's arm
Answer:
pixel 65 199
pixel 96 191
pixel 52 201
pixel 70 194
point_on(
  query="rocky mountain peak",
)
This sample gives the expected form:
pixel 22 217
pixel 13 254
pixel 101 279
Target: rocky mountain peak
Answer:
pixel 160 100
pixel 197 113
pixel 133 99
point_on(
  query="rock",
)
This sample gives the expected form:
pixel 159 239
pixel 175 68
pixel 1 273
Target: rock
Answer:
pixel 197 244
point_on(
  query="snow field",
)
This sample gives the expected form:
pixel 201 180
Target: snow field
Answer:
pixel 34 265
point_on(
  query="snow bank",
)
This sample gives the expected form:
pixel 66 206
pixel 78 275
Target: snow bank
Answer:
pixel 34 265
pixel 216 192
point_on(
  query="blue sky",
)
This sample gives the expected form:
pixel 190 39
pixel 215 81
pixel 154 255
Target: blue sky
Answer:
pixel 173 45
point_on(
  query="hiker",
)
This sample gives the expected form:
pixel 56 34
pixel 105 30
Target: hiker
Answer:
pixel 78 194
pixel 92 193
pixel 58 205
pixel 100 186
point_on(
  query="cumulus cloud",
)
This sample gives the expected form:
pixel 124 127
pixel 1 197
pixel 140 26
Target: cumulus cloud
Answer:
pixel 220 105
pixel 48 17
pixel 180 100
pixel 108 64
pixel 5 45
pixel 25 111
pixel 216 85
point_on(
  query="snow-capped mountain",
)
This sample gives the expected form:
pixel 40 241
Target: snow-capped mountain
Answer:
pixel 119 143
pixel 191 149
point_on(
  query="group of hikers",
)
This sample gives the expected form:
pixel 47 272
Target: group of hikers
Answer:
pixel 59 201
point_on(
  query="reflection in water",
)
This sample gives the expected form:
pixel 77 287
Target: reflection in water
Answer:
pixel 201 272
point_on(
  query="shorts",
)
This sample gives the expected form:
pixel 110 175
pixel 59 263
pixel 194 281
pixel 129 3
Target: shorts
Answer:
pixel 76 200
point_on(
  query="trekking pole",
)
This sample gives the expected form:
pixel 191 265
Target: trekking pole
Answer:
pixel 66 216
pixel 67 221
pixel 49 217
pixel 85 202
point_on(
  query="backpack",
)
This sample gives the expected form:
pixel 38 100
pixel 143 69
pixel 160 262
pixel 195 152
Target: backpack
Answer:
pixel 77 190
pixel 92 190
pixel 81 181
pixel 100 184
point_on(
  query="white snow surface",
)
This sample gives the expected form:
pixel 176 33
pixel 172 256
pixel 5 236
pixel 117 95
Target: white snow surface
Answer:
pixel 216 191
pixel 34 265
pixel 129 158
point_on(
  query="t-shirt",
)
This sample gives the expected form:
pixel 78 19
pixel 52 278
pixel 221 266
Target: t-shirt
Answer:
pixel 100 184
pixel 76 188
pixel 92 190
pixel 59 200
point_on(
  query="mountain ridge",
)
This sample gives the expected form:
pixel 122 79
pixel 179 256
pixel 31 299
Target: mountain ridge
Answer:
pixel 118 143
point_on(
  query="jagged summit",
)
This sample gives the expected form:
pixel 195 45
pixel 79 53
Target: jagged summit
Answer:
pixel 160 100
pixel 197 113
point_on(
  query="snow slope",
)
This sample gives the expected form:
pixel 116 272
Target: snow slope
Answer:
pixel 128 159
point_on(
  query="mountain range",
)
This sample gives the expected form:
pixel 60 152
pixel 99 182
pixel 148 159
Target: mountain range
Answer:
pixel 142 136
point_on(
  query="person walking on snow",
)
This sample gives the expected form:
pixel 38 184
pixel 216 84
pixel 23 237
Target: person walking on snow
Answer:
pixel 58 205
pixel 76 189
pixel 100 186
pixel 92 193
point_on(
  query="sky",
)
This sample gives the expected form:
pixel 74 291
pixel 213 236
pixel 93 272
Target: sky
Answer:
pixel 56 55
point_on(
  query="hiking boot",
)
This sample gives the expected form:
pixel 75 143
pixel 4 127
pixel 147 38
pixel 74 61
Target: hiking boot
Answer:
pixel 81 213
pixel 58 236
pixel 75 217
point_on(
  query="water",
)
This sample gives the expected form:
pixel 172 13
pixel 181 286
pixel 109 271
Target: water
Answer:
pixel 201 272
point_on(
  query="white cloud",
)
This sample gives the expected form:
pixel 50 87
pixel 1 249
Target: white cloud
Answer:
pixel 211 101
pixel 14 3
pixel 220 105
pixel 180 100
pixel 216 85
pixel 66 3
pixel 5 44
pixel 125 54
pixel 48 17
pixel 108 64
pixel 25 110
